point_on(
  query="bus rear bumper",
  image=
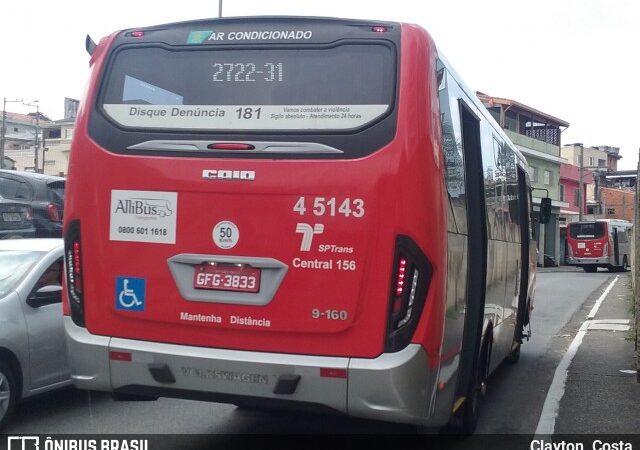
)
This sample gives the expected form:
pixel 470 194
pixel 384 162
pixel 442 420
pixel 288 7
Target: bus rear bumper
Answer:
pixel 587 261
pixel 395 387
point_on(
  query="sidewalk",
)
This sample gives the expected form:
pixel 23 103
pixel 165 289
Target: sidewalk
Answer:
pixel 601 393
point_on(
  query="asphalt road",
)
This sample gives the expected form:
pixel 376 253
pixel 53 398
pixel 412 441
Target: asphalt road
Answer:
pixel 513 402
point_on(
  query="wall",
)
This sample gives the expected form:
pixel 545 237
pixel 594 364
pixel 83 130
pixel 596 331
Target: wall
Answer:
pixel 621 201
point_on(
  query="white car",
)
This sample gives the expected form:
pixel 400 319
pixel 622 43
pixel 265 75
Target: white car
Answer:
pixel 32 347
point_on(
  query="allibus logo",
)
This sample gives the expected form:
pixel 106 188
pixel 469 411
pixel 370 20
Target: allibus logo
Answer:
pixel 144 207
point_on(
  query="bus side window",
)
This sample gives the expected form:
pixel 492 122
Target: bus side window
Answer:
pixel 452 146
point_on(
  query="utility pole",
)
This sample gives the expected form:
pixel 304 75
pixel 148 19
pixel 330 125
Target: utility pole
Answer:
pixel 3 131
pixel 636 273
pixel 37 136
pixel 581 187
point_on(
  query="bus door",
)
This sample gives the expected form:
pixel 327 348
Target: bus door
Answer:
pixel 616 248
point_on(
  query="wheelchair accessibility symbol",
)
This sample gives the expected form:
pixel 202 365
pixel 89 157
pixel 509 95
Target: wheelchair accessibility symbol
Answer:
pixel 130 293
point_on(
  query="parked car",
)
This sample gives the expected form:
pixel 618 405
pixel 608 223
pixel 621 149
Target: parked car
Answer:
pixel 16 220
pixel 32 346
pixel 45 195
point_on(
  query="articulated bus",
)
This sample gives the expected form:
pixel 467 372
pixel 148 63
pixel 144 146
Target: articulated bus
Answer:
pixel 599 243
pixel 297 212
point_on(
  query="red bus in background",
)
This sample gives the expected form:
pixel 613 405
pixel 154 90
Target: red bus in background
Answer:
pixel 301 212
pixel 600 243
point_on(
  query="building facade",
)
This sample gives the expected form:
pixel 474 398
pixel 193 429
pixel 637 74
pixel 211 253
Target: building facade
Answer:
pixel 570 179
pixel 618 203
pixel 22 134
pixel 52 150
pixel 537 135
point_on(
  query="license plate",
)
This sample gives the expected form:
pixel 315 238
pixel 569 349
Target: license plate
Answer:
pixel 11 217
pixel 581 245
pixel 227 277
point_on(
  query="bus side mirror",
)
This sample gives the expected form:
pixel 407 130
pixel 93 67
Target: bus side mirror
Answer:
pixel 545 210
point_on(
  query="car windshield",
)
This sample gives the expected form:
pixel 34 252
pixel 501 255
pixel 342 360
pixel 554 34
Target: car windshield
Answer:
pixel 14 266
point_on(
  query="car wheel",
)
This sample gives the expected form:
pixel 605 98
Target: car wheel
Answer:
pixel 8 393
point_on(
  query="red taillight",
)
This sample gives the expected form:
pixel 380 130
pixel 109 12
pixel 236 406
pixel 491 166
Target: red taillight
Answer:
pixel 402 274
pixel 76 257
pixel 73 260
pixel 412 273
pixel 230 146
pixel 53 213
pixel 76 266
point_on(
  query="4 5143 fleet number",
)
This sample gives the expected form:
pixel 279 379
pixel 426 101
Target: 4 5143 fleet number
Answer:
pixel 321 206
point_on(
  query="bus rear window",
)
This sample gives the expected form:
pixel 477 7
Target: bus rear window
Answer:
pixel 345 87
pixel 593 230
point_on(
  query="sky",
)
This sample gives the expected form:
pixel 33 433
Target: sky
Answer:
pixel 577 60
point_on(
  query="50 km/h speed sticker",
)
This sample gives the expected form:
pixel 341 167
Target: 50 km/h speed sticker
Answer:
pixel 226 234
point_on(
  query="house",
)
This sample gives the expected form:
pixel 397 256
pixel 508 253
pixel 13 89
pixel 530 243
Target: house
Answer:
pixel 537 135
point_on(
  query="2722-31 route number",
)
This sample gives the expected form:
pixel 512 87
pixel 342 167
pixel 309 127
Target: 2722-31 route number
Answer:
pixel 321 206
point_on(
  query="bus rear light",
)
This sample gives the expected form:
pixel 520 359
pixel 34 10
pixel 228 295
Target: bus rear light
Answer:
pixel 230 146
pixel 412 275
pixel 605 251
pixel 136 34
pixel 379 29
pixel 412 297
pixel 402 273
pixel 73 260
pixel 53 213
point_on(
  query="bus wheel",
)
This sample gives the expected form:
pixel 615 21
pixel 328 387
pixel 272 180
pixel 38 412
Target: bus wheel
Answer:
pixel 590 269
pixel 514 356
pixel 465 419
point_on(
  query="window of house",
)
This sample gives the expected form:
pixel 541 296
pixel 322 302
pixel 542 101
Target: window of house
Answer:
pixel 511 121
pixel 576 198
pixel 602 163
pixel 495 113
pixel 591 161
pixel 68 133
pixel 533 174
pixel 561 192
pixel 611 211
pixel 548 177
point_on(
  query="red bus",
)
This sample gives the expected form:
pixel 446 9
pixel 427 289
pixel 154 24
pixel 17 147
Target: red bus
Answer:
pixel 600 243
pixel 293 211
